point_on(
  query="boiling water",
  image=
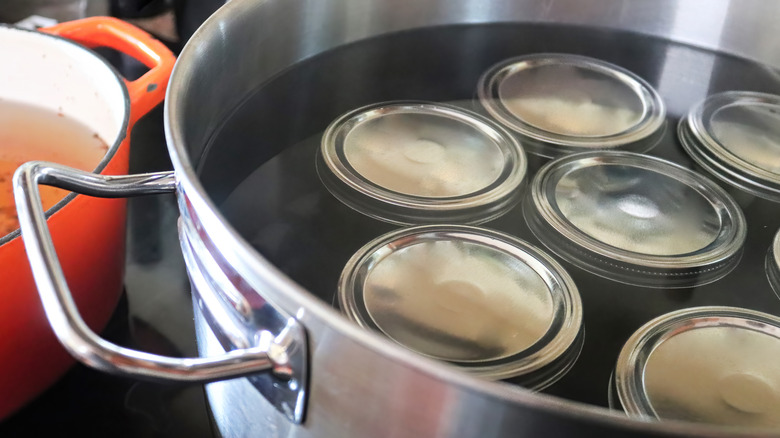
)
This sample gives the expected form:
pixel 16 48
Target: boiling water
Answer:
pixel 30 133
pixel 260 165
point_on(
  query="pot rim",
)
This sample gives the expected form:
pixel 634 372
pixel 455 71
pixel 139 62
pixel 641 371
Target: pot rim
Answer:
pixel 250 263
pixel 112 149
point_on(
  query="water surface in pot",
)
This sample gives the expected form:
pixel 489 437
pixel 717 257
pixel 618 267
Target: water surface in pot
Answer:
pixel 260 165
pixel 30 133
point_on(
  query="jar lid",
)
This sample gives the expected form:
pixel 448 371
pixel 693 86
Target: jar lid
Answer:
pixel 736 137
pixel 482 300
pixel 567 103
pixel 636 219
pixel 773 264
pixel 704 364
pixel 416 162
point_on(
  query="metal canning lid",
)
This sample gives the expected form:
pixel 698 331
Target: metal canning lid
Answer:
pixel 736 136
pixel 481 300
pixel 567 103
pixel 773 264
pixel 636 219
pixel 705 364
pixel 417 162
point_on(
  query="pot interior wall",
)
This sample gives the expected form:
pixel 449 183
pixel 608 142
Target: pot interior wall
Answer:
pixel 248 43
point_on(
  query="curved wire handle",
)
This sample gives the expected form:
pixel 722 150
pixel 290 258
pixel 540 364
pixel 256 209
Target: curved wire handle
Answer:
pixel 61 310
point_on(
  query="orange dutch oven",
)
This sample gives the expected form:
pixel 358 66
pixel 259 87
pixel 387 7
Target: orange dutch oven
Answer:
pixel 52 68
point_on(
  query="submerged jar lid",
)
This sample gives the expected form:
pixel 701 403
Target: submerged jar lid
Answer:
pixel 567 103
pixel 773 264
pixel 636 219
pixel 481 300
pixel 415 163
pixel 714 365
pixel 551 373
pixel 736 136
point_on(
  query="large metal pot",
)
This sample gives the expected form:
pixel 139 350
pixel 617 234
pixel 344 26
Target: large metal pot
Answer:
pixel 309 371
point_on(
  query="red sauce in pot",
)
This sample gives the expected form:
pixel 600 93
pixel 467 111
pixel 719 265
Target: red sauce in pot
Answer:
pixel 30 133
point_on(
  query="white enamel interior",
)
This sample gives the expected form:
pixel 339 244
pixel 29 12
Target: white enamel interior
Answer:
pixel 52 73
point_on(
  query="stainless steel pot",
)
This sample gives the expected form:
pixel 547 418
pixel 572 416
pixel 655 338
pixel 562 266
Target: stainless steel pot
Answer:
pixel 309 372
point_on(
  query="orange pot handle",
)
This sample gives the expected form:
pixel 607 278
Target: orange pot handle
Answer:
pixel 145 92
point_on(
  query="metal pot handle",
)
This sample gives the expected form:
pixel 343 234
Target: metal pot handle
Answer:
pixel 271 356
